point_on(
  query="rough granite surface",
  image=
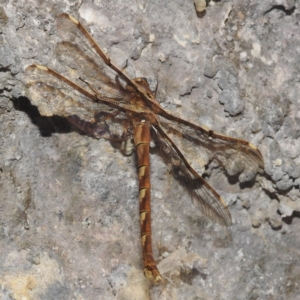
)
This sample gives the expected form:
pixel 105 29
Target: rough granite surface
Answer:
pixel 69 222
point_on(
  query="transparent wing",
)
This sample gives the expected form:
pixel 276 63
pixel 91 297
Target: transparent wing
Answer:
pixel 78 60
pixel 203 195
pixel 201 146
pixel 53 96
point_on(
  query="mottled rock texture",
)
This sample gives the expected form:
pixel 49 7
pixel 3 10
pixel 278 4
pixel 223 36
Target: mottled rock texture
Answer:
pixel 69 223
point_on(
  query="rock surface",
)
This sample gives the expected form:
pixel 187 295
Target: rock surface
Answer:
pixel 69 222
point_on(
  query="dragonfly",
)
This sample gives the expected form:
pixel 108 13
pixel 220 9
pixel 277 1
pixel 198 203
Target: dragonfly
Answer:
pixel 100 99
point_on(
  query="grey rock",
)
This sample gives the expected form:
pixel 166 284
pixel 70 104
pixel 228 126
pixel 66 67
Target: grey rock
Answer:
pixel 285 183
pixel 69 222
pixel 7 56
pixel 232 103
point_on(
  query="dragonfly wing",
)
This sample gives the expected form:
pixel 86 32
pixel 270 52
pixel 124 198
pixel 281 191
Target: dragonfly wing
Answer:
pixel 202 145
pixel 79 58
pixel 203 195
pixel 53 96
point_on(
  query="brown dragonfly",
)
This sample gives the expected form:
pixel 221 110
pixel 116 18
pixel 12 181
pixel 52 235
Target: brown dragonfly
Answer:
pixel 97 97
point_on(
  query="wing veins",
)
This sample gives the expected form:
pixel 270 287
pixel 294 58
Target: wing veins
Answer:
pixel 234 155
pixel 147 97
pixel 203 195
